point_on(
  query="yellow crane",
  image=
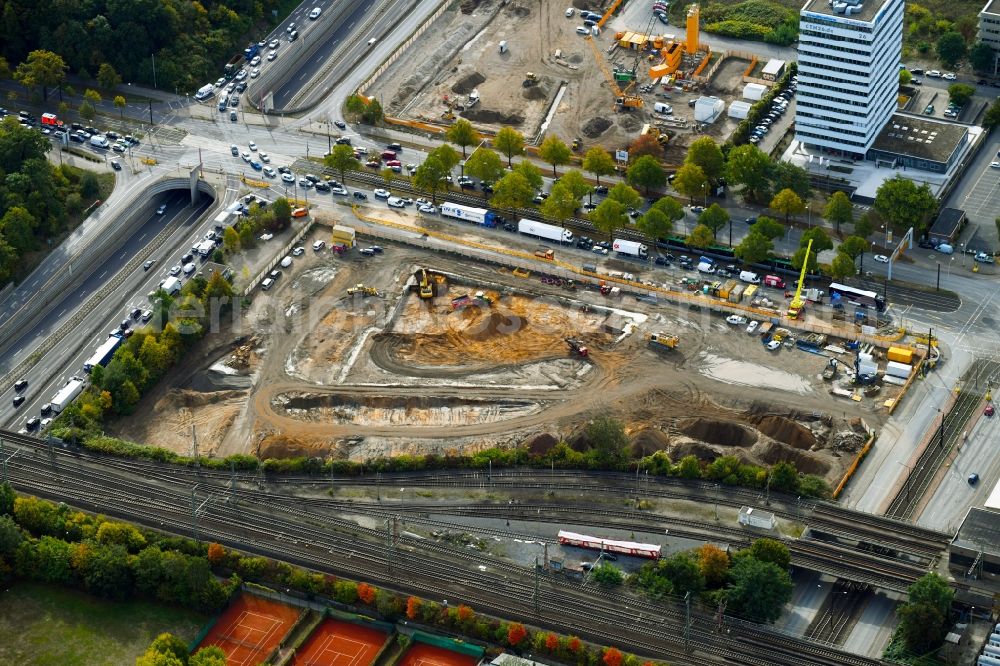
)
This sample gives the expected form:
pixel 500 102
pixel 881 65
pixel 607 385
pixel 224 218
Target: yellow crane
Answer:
pixel 622 99
pixel 796 305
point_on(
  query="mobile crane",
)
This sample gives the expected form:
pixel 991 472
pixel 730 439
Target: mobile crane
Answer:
pixel 796 305
pixel 623 100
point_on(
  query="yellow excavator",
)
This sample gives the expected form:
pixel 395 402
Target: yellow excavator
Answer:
pixel 795 307
pixel 363 290
pixel 426 288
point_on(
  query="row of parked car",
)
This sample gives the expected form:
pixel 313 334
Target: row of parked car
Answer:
pixel 778 108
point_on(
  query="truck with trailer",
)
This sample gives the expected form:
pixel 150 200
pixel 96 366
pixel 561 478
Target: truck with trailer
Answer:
pixel 479 216
pixel 630 248
pixel 547 231
pixel 67 394
pixel 102 355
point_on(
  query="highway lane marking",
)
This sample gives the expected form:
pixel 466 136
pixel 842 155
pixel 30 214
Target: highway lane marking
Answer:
pixel 102 274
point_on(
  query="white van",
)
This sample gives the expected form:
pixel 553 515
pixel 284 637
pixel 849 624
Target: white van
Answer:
pixel 314 14
pixel 98 141
pixel 660 107
pixel 749 276
pixel 204 92
pixel 189 268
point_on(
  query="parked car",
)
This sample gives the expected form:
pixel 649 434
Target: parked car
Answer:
pixel 381 193
pixel 736 320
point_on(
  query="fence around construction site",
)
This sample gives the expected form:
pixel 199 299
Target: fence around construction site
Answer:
pixel 402 48
pixel 278 256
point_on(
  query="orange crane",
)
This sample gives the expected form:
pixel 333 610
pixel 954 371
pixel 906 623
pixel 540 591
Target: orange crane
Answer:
pixel 796 305
pixel 622 99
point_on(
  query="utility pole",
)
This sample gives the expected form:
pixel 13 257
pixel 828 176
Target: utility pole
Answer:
pixel 687 621
pixel 3 456
pixel 151 113
pixel 194 514
pixel 194 446
pixel 232 482
pixel 388 543
pixel 535 594
pixel 767 496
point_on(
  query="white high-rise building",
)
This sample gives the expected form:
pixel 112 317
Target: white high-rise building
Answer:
pixel 848 73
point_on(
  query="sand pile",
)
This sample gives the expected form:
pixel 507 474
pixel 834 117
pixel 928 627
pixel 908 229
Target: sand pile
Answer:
pixel 787 431
pixel 716 431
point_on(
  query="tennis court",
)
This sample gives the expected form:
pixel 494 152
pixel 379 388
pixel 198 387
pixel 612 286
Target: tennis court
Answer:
pixel 421 654
pixel 339 643
pixel 250 629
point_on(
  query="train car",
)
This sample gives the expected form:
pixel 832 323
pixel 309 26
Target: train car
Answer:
pixel 648 550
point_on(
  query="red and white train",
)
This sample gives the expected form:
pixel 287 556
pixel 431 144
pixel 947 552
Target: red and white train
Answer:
pixel 624 547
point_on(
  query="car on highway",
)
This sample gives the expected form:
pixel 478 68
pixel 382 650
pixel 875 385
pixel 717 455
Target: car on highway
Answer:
pixel 146 315
pixel 253 63
pixel 381 193
pixel 973 479
pixel 271 55
pixel 273 44
pixel 340 124
pixel 339 189
pixel 162 209
pixel 116 165
pixel 288 178
pixel 34 422
pixel 293 35
pixel 881 258
pixel 949 76
pixel 933 74
pixel 314 14
pixel 395 202
pixel 290 27
pixel 175 270
pixel 305 183
pixel 321 186
pixel 20 385
pixel 18 401
pixel 298 251
pixel 428 209
pixel 255 72
pixel 242 74
pixel 736 320
pixel 361 196
pixel 995 164
pixel 697 210
pixel 597 249
pixel 269 172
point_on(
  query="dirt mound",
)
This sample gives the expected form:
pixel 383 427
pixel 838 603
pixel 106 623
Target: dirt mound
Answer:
pixel 775 452
pixel 541 444
pixel 629 123
pixel 648 441
pixel 481 115
pixel 697 449
pixel 520 11
pixel 467 83
pixel 715 431
pixel 469 6
pixel 575 59
pixel 181 398
pixel 479 327
pixel 279 445
pixel 595 127
pixel 533 93
pixel 787 431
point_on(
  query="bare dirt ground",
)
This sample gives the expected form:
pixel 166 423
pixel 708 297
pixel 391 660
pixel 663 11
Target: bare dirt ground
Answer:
pixel 542 40
pixel 315 372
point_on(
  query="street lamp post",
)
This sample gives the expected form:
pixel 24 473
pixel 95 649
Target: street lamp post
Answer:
pixel 906 486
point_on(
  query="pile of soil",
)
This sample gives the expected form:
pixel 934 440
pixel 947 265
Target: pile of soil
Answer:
pixel 533 93
pixel 595 127
pixel 469 6
pixel 648 441
pixel 716 431
pixel 700 451
pixel 520 11
pixel 279 445
pixel 467 83
pixel 493 324
pixel 541 444
pixel 775 452
pixel 481 115
pixel 629 123
pixel 181 398
pixel 787 431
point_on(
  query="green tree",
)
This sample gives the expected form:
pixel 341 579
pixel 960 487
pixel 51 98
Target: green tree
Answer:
pixel 574 181
pixel 120 105
pixel 933 590
pixel 388 175
pixel 960 93
pixel 373 113
pixel 554 152
pixel 785 175
pixel 748 166
pixel 87 110
pixel 625 195
pixel 512 191
pixel 921 628
pixel 355 106
pixel 842 266
pixel 607 438
pixel 6 498
pixel 981 57
pixel 41 68
pixel 903 204
pixel 485 165
pixel 787 203
pixel 208 656
pixel 771 550
pixel 18 227
pixel 853 247
pixel 107 77
pixel 715 218
pixel 951 48
pixel 509 142
pixel 609 216
pixel 769 227
pixel 670 207
pixel 754 248
pixel 92 96
pixel 647 173
pixel 707 155
pixel 819 237
pixel 448 156
pixel 838 210
pixel 282 211
pixel 800 255
pixel 341 159
pixel 655 224
pixel 11 537
pixel 865 226
pixel 758 590
pixel 230 240
pixel 461 133
pixel 4 68
pixel 700 237
pixel 606 574
pixel 598 162
pixel 690 181
pixel 905 77
pixel 684 573
pixel 430 177
pixel 992 117
pixel 531 173
pixel 560 204
pixel 170 645
pixel 689 467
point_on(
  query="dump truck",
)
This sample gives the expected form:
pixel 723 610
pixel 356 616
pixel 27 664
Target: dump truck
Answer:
pixel 630 248
pixel 545 253
pixel 662 341
pixel 546 231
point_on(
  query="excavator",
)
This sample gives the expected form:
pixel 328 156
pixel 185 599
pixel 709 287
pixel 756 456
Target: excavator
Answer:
pixel 795 307
pixel 363 290
pixel 426 287
pixel 577 347
pixel 662 341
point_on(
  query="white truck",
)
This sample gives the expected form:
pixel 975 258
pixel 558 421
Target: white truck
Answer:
pixel 171 285
pixel 205 248
pixel 547 231
pixel 67 394
pixel 631 248
pixel 99 141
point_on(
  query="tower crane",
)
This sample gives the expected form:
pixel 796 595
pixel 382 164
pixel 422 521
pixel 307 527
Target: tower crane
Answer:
pixel 622 99
pixel 796 305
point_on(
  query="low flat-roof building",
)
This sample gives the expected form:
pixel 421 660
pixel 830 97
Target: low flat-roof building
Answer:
pixel 975 549
pixel 919 143
pixel 775 68
pixel 947 226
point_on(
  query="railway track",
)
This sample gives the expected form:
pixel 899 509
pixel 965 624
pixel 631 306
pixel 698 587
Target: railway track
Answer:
pixel 296 534
pixel 948 434
pixel 840 612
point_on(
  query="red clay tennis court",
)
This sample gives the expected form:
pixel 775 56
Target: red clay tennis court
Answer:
pixel 339 643
pixel 421 654
pixel 250 629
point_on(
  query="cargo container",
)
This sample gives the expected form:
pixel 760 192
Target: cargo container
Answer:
pixel 900 370
pixel 749 292
pixel 736 293
pixel 756 518
pixel 900 355
pixel 342 235
pixel 726 288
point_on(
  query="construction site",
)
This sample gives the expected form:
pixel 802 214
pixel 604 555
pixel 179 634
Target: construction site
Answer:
pixel 414 352
pixel 597 75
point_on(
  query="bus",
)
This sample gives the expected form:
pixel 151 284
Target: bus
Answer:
pixel 856 296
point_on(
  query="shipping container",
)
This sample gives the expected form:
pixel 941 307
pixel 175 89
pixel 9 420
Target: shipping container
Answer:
pixel 342 235
pixel 900 370
pixel 900 355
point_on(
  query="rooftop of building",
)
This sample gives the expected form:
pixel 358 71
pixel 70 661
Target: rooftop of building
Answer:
pixel 992 7
pixel 922 138
pixel 979 531
pixel 861 10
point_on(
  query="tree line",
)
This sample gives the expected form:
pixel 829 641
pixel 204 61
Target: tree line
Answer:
pixel 40 201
